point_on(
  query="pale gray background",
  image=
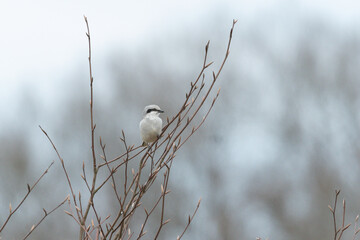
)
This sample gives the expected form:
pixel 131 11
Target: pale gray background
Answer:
pixel 283 135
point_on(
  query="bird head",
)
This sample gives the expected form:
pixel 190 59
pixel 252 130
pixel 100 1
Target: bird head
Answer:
pixel 152 109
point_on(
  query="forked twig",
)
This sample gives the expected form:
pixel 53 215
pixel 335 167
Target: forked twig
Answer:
pixel 64 168
pixel 29 188
pixel 189 221
pixel 45 215
pixel 356 228
pixel 338 232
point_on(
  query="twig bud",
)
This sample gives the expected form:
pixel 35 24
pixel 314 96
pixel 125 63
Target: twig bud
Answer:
pixel 208 64
pixel 331 209
pixel 68 213
pixel 77 209
pixel 207 46
pixel 214 100
pixel 346 227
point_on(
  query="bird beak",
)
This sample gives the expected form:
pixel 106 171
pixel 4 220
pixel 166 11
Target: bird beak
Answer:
pixel 160 111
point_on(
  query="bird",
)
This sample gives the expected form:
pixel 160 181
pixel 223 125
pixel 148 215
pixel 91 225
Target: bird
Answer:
pixel 151 124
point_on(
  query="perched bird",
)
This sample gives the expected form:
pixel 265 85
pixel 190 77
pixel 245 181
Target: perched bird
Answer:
pixel 151 125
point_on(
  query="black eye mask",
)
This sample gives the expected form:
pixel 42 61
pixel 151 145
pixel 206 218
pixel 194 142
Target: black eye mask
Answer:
pixel 153 110
pixel 150 110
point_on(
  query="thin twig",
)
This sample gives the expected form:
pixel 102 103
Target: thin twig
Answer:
pixel 189 221
pixel 25 197
pixel 343 227
pixel 163 193
pixel 356 229
pixel 45 215
pixel 333 211
pixel 92 126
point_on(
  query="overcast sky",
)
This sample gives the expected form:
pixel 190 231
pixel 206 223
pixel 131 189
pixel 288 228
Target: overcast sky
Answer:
pixel 40 37
pixel 43 42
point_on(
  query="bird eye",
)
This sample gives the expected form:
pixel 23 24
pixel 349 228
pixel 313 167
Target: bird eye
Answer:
pixel 149 110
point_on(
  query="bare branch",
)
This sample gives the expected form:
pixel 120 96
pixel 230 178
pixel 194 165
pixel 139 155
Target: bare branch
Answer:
pixel 92 126
pixel 64 168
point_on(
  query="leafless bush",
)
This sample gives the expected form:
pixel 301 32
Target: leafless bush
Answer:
pixel 136 181
pixel 339 230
